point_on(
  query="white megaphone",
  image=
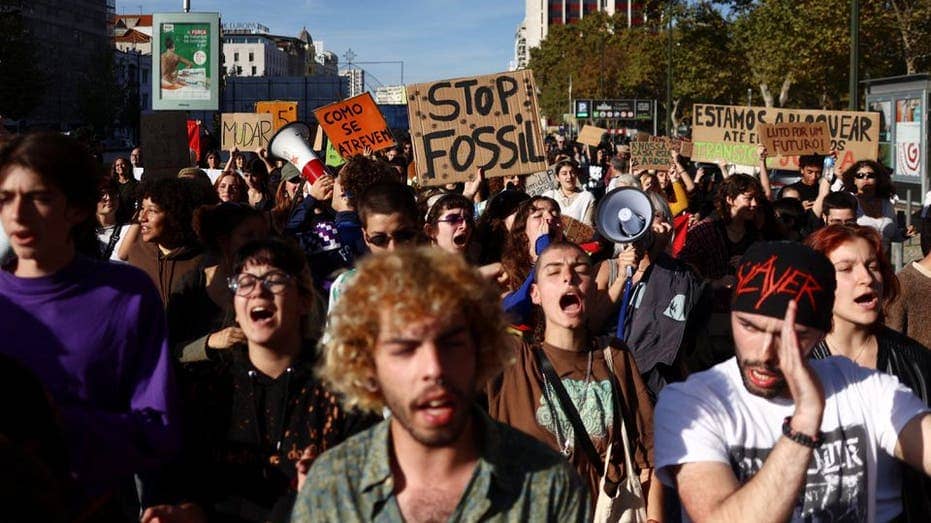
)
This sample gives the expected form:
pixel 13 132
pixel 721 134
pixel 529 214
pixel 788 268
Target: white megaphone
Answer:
pixel 290 144
pixel 625 215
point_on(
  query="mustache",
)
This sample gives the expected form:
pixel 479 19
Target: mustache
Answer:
pixel 757 364
pixel 435 391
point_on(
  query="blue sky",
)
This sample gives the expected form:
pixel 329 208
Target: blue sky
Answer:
pixel 436 39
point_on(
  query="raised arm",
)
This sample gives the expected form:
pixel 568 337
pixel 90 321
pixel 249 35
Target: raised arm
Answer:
pixel 764 173
pixel 681 172
pixel 824 188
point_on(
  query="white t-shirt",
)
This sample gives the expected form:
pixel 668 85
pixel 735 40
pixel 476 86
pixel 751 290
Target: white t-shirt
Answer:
pixel 712 417
pixel 578 206
pixel 885 225
pixel 103 237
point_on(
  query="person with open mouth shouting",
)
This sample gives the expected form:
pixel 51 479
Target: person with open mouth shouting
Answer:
pixel 573 374
pixel 257 414
pixel 420 332
pixel 866 283
pixel 450 225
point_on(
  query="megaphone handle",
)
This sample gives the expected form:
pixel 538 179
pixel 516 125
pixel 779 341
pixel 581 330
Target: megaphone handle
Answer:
pixel 625 300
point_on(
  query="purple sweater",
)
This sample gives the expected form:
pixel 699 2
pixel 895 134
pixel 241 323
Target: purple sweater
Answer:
pixel 95 335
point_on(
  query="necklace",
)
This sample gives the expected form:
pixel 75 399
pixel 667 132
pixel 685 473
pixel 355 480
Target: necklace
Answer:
pixel 855 359
pixel 566 443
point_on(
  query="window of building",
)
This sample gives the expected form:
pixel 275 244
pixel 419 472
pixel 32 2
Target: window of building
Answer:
pixel 235 57
pixel 251 57
pixel 253 70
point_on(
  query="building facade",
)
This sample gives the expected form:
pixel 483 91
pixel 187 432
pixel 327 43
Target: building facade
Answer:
pixel 541 14
pixel 72 38
pixel 356 80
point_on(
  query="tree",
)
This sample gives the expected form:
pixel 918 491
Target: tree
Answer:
pixel 705 68
pixel 912 20
pixel 23 83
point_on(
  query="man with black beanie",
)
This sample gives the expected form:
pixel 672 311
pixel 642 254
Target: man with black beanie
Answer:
pixel 771 436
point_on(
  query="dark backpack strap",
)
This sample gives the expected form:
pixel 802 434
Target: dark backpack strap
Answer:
pixel 568 408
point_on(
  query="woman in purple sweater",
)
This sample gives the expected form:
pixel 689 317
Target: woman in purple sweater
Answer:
pixel 93 332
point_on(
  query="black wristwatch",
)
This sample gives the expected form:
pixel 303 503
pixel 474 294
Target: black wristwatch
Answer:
pixel 811 442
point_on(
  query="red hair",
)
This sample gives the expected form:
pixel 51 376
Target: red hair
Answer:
pixel 828 239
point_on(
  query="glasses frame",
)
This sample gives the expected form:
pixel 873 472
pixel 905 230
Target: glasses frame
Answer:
pixel 455 219
pixel 236 287
pixel 402 236
pixel 865 176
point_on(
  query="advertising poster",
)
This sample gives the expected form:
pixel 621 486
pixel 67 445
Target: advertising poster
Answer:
pixel 908 137
pixel 884 108
pixel 186 72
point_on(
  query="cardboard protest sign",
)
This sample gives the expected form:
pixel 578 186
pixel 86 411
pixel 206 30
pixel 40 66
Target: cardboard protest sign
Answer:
pixel 649 155
pixel 490 122
pixel 282 113
pixel 247 131
pixel 319 139
pixel 732 132
pixel 679 145
pixel 576 231
pixel 333 159
pixel 165 143
pixel 795 138
pixel 538 183
pixel 355 124
pixel 590 135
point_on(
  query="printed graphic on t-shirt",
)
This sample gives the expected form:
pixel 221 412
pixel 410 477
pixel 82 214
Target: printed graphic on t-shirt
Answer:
pixel 593 402
pixel 835 489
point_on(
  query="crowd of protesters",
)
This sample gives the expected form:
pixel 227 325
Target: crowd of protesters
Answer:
pixel 258 347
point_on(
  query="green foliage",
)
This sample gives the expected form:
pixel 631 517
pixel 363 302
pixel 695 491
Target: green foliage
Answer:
pixel 793 53
pixel 22 82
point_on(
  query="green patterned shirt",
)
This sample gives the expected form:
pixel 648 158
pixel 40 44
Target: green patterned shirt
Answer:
pixel 517 478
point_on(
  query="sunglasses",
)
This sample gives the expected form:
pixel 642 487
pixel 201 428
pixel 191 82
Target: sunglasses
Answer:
pixel 274 282
pixel 865 175
pixel 454 219
pixel 383 239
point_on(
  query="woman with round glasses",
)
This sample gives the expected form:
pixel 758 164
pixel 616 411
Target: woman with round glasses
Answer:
pixel 200 310
pixel 866 283
pixel 257 412
pixel 870 182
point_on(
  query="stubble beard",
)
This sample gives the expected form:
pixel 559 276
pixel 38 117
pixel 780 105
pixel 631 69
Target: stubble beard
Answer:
pixel 404 413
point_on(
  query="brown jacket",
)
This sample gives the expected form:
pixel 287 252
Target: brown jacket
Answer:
pixel 516 398
pixel 165 271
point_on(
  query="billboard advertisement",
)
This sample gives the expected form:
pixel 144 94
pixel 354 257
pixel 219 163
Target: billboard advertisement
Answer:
pixel 186 74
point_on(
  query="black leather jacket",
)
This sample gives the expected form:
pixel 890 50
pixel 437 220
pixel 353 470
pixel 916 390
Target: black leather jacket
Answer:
pixel 909 361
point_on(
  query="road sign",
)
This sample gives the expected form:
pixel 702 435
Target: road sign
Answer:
pixel 583 108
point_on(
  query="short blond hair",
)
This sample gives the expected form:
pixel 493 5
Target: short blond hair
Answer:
pixel 410 284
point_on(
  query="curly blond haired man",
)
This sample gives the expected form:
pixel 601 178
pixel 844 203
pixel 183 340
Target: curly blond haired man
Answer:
pixel 419 332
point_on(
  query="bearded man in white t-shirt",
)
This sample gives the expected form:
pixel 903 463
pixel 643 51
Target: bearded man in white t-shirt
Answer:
pixel 772 436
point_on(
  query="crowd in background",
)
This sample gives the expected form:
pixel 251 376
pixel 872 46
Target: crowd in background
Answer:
pixel 197 390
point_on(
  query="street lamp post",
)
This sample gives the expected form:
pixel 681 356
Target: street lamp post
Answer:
pixel 669 69
pixel 854 54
